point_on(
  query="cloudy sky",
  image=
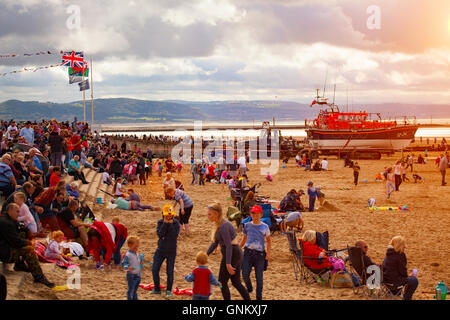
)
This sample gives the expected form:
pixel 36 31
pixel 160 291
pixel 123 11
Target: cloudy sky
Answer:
pixel 202 50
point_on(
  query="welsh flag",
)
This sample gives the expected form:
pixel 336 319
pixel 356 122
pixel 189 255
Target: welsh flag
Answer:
pixel 78 72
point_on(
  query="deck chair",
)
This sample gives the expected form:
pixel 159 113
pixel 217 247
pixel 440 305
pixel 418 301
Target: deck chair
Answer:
pixel 389 290
pixel 312 275
pixel 295 253
pixel 358 268
pixel 301 271
pixel 267 212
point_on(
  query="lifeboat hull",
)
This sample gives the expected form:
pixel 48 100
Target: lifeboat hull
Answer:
pixel 386 139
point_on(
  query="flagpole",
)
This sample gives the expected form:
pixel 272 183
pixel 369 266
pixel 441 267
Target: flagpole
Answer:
pixel 92 97
pixel 84 104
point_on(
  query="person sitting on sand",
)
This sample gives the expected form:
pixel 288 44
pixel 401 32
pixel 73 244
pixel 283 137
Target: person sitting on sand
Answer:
pixel 118 190
pixel 317 166
pixel 17 247
pixel 324 164
pixel 53 250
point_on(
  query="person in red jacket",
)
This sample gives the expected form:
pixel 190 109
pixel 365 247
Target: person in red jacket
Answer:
pixel 311 249
pixel 202 277
pixel 105 239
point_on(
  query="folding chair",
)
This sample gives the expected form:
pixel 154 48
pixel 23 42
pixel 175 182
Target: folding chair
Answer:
pixel 311 275
pixel 307 275
pixel 295 252
pixel 389 290
pixel 358 268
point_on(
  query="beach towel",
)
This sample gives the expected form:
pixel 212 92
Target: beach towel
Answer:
pixel 402 208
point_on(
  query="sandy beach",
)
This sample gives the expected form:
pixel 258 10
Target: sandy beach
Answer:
pixel 346 217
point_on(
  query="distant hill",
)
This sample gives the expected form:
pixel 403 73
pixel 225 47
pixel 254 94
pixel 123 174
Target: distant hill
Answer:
pixel 124 110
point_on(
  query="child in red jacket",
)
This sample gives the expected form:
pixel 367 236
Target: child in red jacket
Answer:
pixel 202 277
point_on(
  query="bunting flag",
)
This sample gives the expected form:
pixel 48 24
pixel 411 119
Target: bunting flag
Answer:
pixel 84 85
pixel 13 55
pixel 33 69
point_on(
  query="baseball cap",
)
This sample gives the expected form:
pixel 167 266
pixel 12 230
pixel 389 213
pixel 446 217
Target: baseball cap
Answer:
pixel 168 210
pixel 301 191
pixel 310 183
pixel 256 209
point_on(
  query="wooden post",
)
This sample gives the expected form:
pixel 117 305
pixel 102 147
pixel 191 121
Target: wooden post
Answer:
pixel 92 98
pixel 84 103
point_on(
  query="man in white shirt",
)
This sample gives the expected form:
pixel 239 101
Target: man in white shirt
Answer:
pixel 324 164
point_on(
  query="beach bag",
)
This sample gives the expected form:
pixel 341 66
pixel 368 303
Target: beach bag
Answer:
pixel 341 279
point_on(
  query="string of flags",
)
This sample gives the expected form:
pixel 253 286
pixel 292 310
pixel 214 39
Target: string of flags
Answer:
pixel 74 60
pixel 32 69
pixel 14 55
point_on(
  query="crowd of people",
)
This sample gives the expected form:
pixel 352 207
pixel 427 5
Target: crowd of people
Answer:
pixel 39 202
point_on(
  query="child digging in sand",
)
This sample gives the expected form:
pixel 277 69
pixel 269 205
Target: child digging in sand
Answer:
pixel 202 277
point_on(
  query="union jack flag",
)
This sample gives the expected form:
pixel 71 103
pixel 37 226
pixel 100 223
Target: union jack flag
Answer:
pixel 82 69
pixel 73 59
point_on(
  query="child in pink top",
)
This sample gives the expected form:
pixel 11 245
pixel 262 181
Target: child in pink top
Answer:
pixel 25 214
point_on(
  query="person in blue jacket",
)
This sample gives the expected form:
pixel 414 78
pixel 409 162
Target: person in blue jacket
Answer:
pixel 313 194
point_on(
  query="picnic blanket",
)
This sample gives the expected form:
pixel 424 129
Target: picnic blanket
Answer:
pixel 40 251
